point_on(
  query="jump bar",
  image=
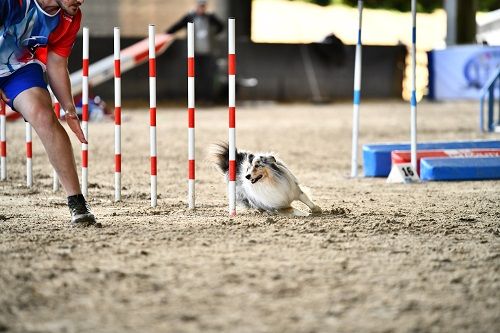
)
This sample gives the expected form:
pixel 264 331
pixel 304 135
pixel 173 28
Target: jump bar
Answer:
pixel 477 168
pixel 377 157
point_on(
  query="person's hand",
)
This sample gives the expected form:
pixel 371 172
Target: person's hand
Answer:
pixel 74 123
pixel 4 97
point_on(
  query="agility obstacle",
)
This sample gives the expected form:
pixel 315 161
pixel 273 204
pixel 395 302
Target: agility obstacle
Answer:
pixel 232 116
pixel 377 157
pixel 29 156
pixel 3 142
pixel 123 60
pixel 476 168
pixel 413 98
pixel 371 167
pixel 85 110
pixel 404 156
pixel 152 113
pixel 118 114
pixel 488 91
pixel 191 115
pixel 357 95
pixel 55 177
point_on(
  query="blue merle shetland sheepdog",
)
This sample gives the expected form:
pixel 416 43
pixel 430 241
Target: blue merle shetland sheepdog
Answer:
pixel 263 182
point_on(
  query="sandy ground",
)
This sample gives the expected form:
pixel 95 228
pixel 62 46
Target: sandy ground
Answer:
pixel 381 258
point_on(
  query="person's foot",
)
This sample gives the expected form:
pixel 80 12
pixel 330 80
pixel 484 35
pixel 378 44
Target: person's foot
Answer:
pixel 80 212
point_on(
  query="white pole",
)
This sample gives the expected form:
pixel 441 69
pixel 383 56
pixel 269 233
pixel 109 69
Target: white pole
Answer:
pixel 152 113
pixel 357 95
pixel 85 109
pixel 413 86
pixel 118 121
pixel 232 117
pixel 191 117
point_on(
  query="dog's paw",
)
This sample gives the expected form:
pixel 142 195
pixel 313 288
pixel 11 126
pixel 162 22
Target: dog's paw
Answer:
pixel 316 210
pixel 292 212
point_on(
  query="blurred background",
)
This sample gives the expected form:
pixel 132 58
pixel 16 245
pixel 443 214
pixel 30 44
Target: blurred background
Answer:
pixel 304 50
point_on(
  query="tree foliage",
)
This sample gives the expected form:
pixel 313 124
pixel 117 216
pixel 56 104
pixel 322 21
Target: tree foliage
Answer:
pixel 405 5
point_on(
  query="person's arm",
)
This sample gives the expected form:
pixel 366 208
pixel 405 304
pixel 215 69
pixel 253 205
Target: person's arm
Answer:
pixel 214 20
pixel 58 76
pixel 181 24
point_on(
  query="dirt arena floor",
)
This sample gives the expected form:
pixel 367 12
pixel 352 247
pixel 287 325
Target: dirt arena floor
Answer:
pixel 381 257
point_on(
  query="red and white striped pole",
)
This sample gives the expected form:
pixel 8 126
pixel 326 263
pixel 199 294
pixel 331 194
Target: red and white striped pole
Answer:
pixel 85 110
pixel 3 142
pixel 191 116
pixel 152 113
pixel 55 178
pixel 232 116
pixel 118 116
pixel 29 155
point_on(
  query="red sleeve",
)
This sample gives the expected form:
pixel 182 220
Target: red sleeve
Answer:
pixel 61 40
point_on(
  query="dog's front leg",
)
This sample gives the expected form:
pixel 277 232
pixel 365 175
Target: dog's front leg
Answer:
pixel 315 209
pixel 291 212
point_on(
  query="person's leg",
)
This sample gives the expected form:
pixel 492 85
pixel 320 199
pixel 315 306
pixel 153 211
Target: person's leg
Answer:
pixel 36 107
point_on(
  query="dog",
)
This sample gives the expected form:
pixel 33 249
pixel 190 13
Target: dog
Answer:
pixel 263 182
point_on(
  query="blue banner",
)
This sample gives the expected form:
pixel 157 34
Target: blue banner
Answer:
pixel 460 72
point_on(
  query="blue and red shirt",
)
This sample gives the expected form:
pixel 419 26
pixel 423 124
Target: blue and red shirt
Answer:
pixel 28 33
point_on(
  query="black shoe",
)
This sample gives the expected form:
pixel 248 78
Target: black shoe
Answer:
pixel 80 212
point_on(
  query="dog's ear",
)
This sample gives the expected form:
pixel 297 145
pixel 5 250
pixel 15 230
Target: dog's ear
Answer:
pixel 270 159
pixel 250 158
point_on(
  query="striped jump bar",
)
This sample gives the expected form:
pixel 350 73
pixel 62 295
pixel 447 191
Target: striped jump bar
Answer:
pixel 152 113
pixel 29 155
pixel 232 116
pixel 118 114
pixel 191 117
pixel 85 110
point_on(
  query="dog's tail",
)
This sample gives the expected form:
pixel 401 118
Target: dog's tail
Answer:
pixel 219 155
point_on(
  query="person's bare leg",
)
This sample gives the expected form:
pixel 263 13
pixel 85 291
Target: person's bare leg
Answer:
pixel 36 107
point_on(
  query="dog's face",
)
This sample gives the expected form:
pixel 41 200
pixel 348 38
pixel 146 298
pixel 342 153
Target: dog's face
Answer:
pixel 259 168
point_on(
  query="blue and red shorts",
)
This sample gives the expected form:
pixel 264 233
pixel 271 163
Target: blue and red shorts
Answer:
pixel 27 77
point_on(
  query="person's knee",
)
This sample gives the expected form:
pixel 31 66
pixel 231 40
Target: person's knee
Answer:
pixel 43 118
pixel 36 106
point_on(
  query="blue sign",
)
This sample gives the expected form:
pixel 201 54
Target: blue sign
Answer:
pixel 460 72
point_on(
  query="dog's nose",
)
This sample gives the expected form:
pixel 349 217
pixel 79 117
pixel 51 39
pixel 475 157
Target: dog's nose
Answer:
pixel 248 176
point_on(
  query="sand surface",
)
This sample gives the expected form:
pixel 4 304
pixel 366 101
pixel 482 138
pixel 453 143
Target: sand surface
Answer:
pixel 381 258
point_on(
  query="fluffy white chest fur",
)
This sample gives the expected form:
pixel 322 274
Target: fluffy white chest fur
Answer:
pixel 271 194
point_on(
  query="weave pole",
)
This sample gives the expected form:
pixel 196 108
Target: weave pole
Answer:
pixel 191 116
pixel 55 177
pixel 29 155
pixel 85 110
pixel 152 113
pixel 232 116
pixel 413 99
pixel 118 115
pixel 3 142
pixel 357 95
